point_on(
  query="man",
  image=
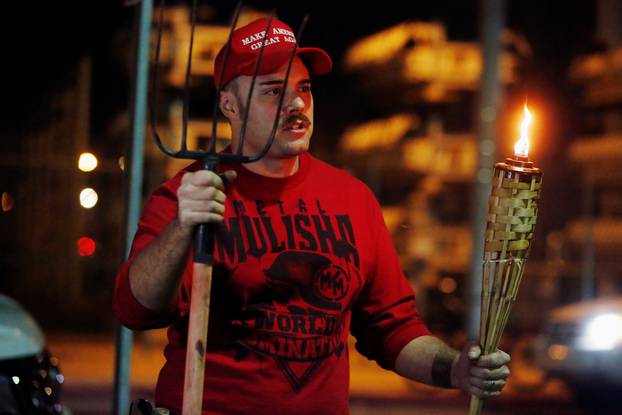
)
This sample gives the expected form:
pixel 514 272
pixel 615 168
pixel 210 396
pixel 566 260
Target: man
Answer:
pixel 302 258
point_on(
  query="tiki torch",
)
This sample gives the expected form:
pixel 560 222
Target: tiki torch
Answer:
pixel 512 213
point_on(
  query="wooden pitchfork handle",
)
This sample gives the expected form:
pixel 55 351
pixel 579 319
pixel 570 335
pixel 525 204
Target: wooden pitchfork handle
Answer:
pixel 199 311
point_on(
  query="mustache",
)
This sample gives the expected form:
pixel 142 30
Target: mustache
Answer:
pixel 292 119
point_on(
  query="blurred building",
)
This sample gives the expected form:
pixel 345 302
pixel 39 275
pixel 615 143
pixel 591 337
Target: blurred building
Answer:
pixel 594 239
pixel 414 61
pixel 421 161
pixel 63 216
pixel 586 249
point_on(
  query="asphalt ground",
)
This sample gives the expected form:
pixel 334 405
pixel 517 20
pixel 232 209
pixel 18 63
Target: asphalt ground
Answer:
pixel 87 362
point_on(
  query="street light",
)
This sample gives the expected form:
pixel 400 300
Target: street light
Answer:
pixel 87 162
pixel 88 198
pixel 6 202
pixel 86 246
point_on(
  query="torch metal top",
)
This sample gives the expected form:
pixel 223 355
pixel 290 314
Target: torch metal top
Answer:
pixel 519 164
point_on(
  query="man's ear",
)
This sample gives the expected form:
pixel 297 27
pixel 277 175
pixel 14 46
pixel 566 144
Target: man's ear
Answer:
pixel 228 104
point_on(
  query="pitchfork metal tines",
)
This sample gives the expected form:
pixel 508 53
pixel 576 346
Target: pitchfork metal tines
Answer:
pixel 209 156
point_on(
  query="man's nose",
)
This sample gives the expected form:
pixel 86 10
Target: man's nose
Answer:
pixel 295 105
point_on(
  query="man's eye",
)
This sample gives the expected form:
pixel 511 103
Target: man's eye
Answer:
pixel 306 88
pixel 274 91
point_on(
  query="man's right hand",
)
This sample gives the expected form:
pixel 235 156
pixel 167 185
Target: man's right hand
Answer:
pixel 201 198
pixel 156 273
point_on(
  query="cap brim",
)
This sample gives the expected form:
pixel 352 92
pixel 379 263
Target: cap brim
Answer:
pixel 317 60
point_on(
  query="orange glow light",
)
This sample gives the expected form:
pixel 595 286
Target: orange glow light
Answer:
pixel 557 351
pixel 521 148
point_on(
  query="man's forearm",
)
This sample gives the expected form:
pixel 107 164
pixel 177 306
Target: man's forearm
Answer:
pixel 156 273
pixel 429 360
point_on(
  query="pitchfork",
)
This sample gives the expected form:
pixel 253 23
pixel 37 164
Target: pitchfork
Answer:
pixel 204 233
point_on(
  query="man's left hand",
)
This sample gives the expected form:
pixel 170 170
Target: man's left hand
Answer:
pixel 480 375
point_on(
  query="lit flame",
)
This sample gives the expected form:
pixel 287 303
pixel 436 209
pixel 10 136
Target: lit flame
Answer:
pixel 521 148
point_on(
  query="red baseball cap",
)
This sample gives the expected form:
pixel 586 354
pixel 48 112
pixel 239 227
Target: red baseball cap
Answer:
pixel 246 43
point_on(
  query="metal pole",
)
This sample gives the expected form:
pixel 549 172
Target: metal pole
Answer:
pixel 588 277
pixel 492 18
pixel 139 111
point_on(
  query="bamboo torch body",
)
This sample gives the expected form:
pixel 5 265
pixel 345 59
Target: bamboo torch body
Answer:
pixel 512 214
pixel 196 347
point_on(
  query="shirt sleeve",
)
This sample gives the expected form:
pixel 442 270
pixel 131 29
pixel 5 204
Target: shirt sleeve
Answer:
pixel 385 316
pixel 159 211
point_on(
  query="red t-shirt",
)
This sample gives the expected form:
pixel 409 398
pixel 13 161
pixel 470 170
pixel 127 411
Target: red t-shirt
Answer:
pixel 300 262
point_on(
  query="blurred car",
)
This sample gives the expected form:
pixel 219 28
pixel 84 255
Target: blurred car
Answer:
pixel 30 378
pixel 581 344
